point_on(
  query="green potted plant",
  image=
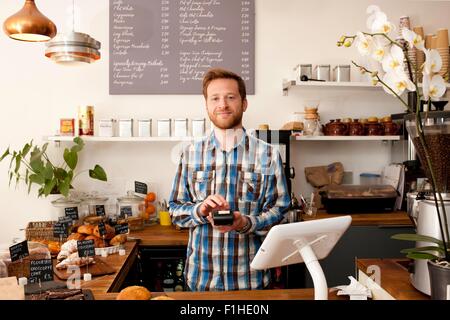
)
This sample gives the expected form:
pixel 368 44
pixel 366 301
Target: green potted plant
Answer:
pixel 397 74
pixel 33 165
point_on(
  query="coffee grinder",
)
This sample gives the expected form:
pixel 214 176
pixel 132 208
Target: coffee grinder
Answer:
pixel 436 127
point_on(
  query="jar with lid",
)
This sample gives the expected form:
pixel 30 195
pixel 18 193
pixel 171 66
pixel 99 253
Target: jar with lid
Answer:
pixel 95 207
pixel 311 126
pixel 130 209
pixel 342 73
pixel 68 207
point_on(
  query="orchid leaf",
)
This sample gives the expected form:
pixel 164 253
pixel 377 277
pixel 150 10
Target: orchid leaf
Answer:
pixel 416 237
pixel 420 249
pixel 421 255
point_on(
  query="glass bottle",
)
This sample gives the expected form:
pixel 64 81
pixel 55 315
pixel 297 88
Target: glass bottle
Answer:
pixel 168 280
pixel 179 279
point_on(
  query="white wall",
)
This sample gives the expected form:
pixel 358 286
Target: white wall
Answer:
pixel 35 93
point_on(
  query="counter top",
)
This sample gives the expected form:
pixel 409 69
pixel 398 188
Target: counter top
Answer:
pixel 393 278
pixel 157 235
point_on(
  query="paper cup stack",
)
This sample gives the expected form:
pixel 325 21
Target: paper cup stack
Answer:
pixel 412 52
pixel 442 47
pixel 420 55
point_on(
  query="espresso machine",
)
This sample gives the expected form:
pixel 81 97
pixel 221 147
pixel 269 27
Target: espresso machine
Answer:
pixel 421 205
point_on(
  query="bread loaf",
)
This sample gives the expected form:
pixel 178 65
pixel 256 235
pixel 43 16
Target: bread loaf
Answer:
pixel 134 293
pixel 119 239
pixel 86 229
pixel 76 236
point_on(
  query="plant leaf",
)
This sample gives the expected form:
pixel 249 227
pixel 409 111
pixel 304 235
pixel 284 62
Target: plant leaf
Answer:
pixel 416 237
pixel 98 173
pixel 49 185
pixel 60 174
pixel 64 187
pixel 44 147
pixel 420 249
pixel 37 178
pixel 5 154
pixel 10 178
pixel 71 158
pixel 79 144
pixel 27 173
pixel 421 255
pixel 25 150
pixel 14 155
pixel 18 162
pixel 48 172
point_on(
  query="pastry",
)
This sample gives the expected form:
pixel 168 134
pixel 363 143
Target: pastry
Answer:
pixel 119 239
pixel 162 298
pixel 86 229
pixel 110 232
pixel 134 293
pixel 74 260
pixel 98 243
pixel 76 236
pixel 67 248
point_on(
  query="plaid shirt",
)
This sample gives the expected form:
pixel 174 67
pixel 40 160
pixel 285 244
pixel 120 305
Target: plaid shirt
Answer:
pixel 251 178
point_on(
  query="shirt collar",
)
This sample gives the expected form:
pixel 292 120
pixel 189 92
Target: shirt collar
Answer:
pixel 214 143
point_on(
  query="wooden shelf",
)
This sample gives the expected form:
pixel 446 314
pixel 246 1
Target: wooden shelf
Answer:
pixel 119 139
pixel 345 138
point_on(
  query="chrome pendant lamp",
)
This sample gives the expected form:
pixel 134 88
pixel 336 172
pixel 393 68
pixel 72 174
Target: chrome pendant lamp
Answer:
pixel 74 47
pixel 29 24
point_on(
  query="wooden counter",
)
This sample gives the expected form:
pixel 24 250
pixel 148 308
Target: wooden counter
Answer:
pixel 396 218
pixel 157 235
pixel 393 278
pixel 279 294
pixel 113 282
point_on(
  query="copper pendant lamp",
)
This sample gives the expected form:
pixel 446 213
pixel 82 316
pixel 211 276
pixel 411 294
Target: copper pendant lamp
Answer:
pixel 29 24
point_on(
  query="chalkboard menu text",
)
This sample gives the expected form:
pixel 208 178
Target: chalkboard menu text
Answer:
pixel 41 270
pixel 19 251
pixel 121 228
pixel 86 248
pixel 140 187
pixel 165 47
pixel 100 210
pixel 71 212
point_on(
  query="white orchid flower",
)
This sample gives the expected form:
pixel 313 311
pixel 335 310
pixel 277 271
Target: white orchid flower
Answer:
pixel 372 9
pixel 398 82
pixel 434 88
pixel 363 43
pixel 393 60
pixel 413 39
pixel 433 61
pixel 379 49
pixel 379 24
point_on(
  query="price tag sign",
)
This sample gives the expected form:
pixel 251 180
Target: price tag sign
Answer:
pixel 100 210
pixel 66 220
pixel 19 251
pixel 41 270
pixel 125 211
pixel 121 228
pixel 140 187
pixel 101 229
pixel 86 248
pixel 71 212
pixel 60 230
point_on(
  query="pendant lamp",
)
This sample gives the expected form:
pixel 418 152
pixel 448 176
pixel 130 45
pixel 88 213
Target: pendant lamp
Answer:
pixel 29 24
pixel 73 47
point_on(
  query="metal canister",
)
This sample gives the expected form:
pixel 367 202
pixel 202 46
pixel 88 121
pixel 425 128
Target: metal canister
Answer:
pixel 342 73
pixel 180 127
pixel 323 72
pixel 86 120
pixel 144 127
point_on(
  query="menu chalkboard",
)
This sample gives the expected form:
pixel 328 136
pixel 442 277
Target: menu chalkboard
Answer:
pixel 121 228
pixel 165 47
pixel 71 212
pixel 19 251
pixel 140 187
pixel 86 248
pixel 100 210
pixel 60 230
pixel 41 270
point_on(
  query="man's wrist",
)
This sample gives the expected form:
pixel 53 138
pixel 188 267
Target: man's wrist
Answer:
pixel 247 225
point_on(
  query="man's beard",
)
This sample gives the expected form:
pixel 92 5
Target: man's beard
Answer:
pixel 229 123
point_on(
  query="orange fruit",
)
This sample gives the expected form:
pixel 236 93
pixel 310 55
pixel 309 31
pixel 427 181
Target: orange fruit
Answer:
pixel 150 209
pixel 150 197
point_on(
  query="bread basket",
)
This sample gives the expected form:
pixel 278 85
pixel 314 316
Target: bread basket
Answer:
pixel 41 230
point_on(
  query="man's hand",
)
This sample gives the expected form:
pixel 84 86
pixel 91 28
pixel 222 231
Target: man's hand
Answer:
pixel 238 223
pixel 212 203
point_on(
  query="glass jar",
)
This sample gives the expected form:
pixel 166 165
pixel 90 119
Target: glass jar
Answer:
pixel 130 209
pixel 95 205
pixel 68 207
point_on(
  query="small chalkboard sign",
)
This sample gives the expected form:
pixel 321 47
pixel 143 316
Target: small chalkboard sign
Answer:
pixel 41 270
pixel 125 211
pixel 60 230
pixel 71 212
pixel 19 251
pixel 66 220
pixel 101 229
pixel 121 228
pixel 100 210
pixel 86 248
pixel 140 187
